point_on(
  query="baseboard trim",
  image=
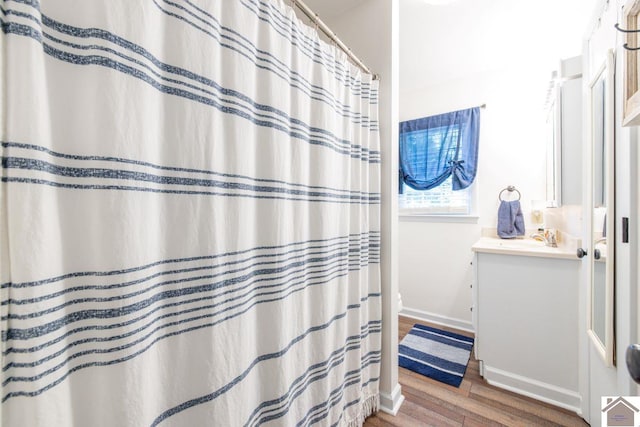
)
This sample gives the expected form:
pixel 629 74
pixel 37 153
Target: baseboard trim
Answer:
pixel 438 319
pixel 538 390
pixel 390 403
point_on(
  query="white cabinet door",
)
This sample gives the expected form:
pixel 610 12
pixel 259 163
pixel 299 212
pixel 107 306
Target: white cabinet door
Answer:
pixel 527 325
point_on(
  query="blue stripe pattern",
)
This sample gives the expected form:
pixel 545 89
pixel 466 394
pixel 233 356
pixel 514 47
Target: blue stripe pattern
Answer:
pixel 374 235
pixel 276 409
pixel 434 354
pixel 89 168
pixel 214 395
pixel 465 343
pixel 226 100
pixel 308 46
pixel 190 196
pixel 233 40
pixel 211 298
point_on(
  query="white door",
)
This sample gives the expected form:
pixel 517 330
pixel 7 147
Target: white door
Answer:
pixel 601 374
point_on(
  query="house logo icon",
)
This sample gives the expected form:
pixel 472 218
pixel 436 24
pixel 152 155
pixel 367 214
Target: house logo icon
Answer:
pixel 618 412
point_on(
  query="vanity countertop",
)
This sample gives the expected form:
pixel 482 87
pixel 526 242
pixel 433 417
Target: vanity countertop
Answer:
pixel 523 247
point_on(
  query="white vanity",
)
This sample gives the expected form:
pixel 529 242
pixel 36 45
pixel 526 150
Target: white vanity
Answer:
pixel 525 315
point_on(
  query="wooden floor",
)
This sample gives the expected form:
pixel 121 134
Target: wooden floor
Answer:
pixel 475 403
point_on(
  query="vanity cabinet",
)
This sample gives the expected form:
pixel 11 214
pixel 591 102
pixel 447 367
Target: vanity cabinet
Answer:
pixel 525 317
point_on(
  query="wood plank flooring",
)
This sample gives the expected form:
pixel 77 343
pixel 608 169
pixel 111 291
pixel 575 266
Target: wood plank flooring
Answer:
pixel 475 403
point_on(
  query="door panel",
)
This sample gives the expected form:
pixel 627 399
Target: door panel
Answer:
pixel 601 372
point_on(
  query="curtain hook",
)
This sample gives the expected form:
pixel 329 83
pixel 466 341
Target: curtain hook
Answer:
pixel 624 30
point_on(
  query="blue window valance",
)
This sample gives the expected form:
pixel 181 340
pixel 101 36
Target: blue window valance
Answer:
pixel 436 147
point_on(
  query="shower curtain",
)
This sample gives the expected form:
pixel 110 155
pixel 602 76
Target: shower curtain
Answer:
pixel 189 217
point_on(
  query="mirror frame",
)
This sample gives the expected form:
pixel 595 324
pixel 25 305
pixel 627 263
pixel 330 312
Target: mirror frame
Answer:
pixel 607 69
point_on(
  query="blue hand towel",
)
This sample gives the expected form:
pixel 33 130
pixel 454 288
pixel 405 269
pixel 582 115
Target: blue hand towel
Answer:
pixel 510 220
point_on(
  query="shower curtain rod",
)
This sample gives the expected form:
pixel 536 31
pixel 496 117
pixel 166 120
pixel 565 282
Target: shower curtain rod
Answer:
pixel 332 36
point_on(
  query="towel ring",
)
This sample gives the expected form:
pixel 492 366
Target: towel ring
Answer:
pixel 510 189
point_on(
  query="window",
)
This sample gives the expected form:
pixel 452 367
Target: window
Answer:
pixel 441 200
pixel 438 160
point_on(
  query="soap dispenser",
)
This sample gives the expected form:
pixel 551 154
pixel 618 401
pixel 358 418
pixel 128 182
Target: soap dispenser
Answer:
pixel 537 214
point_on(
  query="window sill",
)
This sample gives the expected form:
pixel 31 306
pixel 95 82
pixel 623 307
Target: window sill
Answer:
pixel 416 217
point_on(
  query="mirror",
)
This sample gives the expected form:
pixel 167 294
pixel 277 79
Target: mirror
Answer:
pixel 564 139
pixel 601 295
pixel 553 144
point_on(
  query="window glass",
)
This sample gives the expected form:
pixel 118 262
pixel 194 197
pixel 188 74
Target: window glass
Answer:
pixel 440 200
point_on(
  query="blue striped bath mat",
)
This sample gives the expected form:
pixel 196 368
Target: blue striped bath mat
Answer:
pixel 436 354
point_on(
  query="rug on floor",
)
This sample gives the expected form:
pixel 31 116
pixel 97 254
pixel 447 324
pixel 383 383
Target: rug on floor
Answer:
pixel 435 353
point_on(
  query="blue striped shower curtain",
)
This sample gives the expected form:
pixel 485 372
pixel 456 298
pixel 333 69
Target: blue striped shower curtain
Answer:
pixel 189 217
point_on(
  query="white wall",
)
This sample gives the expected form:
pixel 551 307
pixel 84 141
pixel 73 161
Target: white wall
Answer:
pixel 370 29
pixel 435 271
pixel 512 138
